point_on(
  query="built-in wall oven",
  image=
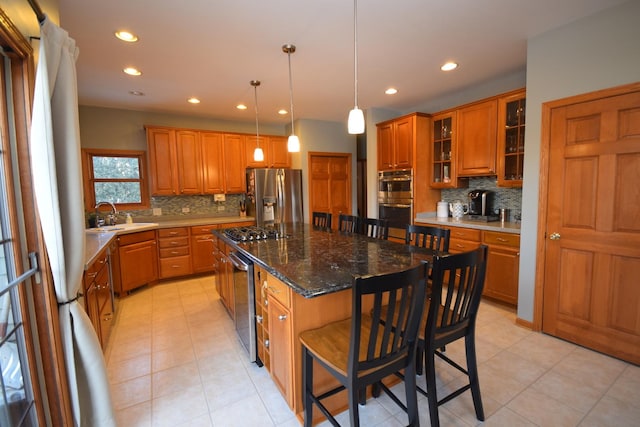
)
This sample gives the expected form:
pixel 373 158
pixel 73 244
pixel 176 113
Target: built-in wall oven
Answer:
pixel 395 199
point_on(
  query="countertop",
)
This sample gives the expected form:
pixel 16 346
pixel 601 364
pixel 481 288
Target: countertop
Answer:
pixel 316 262
pixel 504 227
pixel 98 239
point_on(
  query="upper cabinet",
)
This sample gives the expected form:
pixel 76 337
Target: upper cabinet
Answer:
pixel 274 148
pixel 184 162
pixel 443 171
pixel 476 138
pixel 397 140
pixel 511 124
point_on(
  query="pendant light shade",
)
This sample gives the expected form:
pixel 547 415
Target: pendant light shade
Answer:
pixel 355 124
pixel 293 143
pixel 258 154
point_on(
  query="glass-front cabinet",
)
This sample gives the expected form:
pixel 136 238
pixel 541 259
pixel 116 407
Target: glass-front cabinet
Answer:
pixel 511 125
pixel 444 148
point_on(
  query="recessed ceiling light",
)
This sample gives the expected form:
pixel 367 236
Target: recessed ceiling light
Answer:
pixel 136 93
pixel 132 71
pixel 193 100
pixel 283 112
pixel 391 91
pixel 126 36
pixel 241 107
pixel 448 66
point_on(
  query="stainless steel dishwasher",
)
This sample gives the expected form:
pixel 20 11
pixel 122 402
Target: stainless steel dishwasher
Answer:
pixel 244 303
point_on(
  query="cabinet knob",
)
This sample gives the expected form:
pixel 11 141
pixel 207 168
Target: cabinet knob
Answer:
pixel 282 317
pixel 259 319
pixel 266 343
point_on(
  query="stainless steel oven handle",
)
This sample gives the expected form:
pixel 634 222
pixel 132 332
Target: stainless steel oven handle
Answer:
pixel 395 205
pixel 237 262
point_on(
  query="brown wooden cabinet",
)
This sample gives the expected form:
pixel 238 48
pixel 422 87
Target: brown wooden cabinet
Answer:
pixel 174 252
pixel 189 162
pixel 212 144
pixel 97 296
pixel 510 149
pixel 161 151
pixel 280 337
pixel 275 151
pixel 444 150
pixel 234 161
pixel 397 141
pixel 224 277
pixel 137 261
pixel 503 264
pixel 203 244
pixel 477 138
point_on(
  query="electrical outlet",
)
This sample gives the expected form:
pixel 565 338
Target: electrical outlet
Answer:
pixel 186 209
pixel 157 211
pixel 221 208
pixel 219 198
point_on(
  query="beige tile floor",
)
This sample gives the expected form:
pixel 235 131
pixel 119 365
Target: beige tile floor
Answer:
pixel 174 360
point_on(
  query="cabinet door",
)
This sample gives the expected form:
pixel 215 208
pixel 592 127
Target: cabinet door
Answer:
pixel 278 153
pixel 444 151
pixel 403 143
pixel 234 171
pixel 161 144
pixel 280 347
pixel 510 151
pixel 105 306
pixel 138 264
pixel 250 144
pixel 202 253
pixel 477 128
pixel 91 304
pixel 501 280
pixel 212 145
pixel 385 146
pixel 189 161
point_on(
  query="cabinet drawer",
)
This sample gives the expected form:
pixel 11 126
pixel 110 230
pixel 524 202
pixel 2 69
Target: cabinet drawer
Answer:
pixel 459 245
pixel 142 236
pixel 173 232
pixel 176 266
pixel 203 229
pixel 171 252
pixel 173 242
pixel 278 290
pixel 497 238
pixel 465 234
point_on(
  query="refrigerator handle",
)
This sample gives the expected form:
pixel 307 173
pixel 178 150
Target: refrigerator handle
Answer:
pixel 280 194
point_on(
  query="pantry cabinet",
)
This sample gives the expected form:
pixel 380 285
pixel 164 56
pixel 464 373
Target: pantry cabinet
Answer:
pixel 477 138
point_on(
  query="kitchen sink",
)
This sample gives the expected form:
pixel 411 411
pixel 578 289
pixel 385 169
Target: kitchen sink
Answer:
pixel 123 228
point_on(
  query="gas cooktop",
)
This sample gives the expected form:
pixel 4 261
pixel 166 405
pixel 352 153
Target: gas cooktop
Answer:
pixel 253 233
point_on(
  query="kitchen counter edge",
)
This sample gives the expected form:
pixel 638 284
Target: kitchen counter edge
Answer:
pixel 503 227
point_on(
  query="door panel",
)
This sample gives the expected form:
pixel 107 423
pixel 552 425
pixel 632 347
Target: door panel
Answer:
pixel 592 246
pixel 330 184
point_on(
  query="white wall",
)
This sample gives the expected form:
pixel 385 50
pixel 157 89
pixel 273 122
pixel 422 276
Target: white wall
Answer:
pixel 594 53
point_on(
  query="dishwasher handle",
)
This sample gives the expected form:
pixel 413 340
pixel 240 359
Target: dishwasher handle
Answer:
pixel 238 262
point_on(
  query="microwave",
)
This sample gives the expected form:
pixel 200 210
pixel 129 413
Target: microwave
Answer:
pixel 395 186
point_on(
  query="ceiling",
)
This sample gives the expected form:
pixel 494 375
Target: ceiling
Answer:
pixel 213 49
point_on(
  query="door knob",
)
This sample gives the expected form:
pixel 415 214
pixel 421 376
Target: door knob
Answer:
pixel 554 236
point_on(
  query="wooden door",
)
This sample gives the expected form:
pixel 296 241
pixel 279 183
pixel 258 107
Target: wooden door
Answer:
pixel 403 143
pixel 385 146
pixel 477 139
pixel 330 184
pixel 189 160
pixel 592 236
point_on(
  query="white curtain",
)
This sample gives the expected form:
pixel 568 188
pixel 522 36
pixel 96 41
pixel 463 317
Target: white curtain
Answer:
pixel 57 176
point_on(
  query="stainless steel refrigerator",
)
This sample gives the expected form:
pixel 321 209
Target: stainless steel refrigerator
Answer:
pixel 274 196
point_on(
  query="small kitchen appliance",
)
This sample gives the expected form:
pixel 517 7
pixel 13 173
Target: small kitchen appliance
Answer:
pixel 481 206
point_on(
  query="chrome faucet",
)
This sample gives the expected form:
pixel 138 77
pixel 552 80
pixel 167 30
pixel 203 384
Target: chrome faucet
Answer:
pixel 111 218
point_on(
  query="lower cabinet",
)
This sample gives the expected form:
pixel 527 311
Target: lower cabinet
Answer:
pixel 174 252
pixel 137 261
pixel 501 281
pixel 203 244
pixel 224 277
pixel 97 297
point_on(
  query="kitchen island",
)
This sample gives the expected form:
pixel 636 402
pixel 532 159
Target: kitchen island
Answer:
pixel 303 281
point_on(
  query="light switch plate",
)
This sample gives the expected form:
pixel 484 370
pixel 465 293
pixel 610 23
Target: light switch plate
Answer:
pixel 157 211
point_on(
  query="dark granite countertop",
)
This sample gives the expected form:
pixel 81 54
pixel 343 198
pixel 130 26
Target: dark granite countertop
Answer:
pixel 316 262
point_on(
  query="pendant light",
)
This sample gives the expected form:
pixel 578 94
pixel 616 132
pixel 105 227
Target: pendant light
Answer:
pixel 293 144
pixel 355 124
pixel 258 154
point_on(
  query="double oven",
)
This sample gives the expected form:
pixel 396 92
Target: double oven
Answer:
pixel 395 199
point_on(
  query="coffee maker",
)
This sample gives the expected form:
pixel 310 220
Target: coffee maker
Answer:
pixel 481 205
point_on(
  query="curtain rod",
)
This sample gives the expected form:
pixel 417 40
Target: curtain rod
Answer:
pixel 37 10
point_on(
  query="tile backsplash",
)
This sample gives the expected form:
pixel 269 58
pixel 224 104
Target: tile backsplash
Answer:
pixel 509 198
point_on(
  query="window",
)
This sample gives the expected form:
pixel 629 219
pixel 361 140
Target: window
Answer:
pixel 115 176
